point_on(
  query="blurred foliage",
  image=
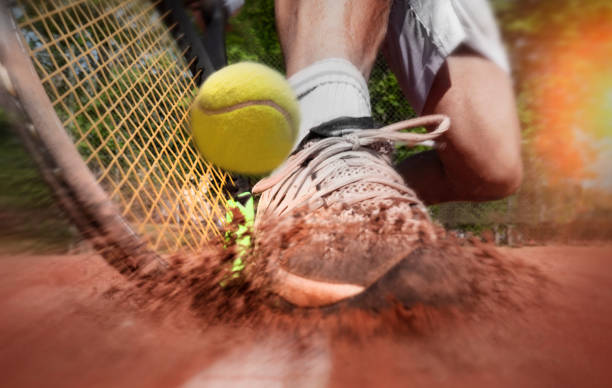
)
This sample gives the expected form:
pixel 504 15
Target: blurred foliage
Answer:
pixel 552 45
pixel 252 35
pixel 527 18
pixel 21 186
pixel 388 102
pixel 29 217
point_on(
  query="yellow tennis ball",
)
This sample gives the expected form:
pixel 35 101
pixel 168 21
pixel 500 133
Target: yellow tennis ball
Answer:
pixel 245 118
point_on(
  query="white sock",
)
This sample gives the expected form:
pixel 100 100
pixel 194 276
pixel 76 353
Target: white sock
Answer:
pixel 329 89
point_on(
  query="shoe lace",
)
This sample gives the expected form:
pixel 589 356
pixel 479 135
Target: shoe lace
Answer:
pixel 290 187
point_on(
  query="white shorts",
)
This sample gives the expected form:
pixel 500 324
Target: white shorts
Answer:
pixel 423 33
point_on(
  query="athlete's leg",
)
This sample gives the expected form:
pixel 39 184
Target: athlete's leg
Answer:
pixel 329 48
pixel 449 58
pixel 312 30
pixel 479 157
pixel 337 190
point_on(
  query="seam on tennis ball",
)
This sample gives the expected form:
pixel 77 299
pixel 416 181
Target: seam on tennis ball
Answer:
pixel 245 104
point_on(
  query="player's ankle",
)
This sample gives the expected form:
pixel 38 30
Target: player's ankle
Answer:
pixel 329 89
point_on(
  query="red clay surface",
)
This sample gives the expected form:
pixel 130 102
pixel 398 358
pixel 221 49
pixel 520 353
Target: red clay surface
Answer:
pixel 61 326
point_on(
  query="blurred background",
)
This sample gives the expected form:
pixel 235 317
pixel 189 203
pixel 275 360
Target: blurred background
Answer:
pixel 561 53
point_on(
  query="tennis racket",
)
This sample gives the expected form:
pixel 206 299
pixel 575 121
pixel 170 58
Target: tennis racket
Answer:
pixel 102 91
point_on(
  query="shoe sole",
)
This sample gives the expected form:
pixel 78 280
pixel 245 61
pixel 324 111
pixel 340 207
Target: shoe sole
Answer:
pixel 425 275
pixel 303 292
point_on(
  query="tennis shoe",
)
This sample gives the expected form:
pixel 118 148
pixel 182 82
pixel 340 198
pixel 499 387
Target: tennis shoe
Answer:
pixel 336 217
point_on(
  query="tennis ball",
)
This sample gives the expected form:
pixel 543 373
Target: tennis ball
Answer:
pixel 245 118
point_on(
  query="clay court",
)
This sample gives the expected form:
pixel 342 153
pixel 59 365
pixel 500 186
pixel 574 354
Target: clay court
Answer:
pixel 70 320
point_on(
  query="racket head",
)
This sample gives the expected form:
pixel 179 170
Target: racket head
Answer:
pixel 107 92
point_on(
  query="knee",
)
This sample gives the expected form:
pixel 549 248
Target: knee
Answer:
pixel 505 179
pixel 487 167
pixel 499 177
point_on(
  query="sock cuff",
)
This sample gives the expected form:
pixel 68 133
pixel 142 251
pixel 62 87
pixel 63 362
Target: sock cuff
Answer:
pixel 328 71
